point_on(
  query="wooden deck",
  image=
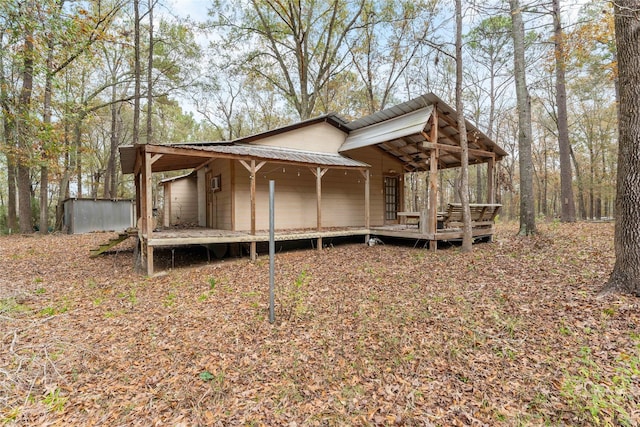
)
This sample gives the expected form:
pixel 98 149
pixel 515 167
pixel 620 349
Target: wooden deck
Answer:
pixel 204 236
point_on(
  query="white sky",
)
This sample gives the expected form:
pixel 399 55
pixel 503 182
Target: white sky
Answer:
pixel 195 9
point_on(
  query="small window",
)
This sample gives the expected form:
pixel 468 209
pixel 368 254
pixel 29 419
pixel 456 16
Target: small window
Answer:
pixel 216 183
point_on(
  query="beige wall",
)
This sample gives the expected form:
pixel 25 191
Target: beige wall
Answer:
pixel 219 203
pixel 181 205
pixel 295 194
pixel 382 165
pixel 319 137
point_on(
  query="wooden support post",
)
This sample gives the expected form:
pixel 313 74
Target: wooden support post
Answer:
pixel 253 169
pixel 367 201
pixel 432 220
pixel 254 247
pixel 148 209
pixel 491 191
pixel 136 181
pixel 319 173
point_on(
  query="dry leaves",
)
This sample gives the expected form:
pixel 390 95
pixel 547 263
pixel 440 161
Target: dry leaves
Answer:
pixel 511 334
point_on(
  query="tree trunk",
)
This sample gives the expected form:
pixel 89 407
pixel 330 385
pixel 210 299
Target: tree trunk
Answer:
pixel 137 72
pixel 467 236
pixel 23 128
pixel 581 206
pixel 77 142
pixel 8 127
pixel 111 173
pixel 625 276
pixel 150 78
pixel 568 213
pixel 46 122
pixel 527 209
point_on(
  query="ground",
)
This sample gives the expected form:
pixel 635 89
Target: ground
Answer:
pixel 511 334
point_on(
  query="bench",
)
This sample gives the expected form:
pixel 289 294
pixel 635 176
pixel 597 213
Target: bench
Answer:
pixel 404 216
pixel 482 215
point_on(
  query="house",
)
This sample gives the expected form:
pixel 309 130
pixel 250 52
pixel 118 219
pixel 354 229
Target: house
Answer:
pixel 333 177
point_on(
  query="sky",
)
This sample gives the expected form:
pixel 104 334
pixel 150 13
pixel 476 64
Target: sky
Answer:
pixel 195 9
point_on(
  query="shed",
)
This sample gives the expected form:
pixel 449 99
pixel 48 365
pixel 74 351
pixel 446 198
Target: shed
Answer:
pixel 89 215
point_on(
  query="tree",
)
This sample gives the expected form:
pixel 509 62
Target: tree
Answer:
pixel 388 36
pixel 296 47
pixel 527 211
pixel 625 276
pixel 467 238
pixel 489 44
pixel 566 177
pixel 24 125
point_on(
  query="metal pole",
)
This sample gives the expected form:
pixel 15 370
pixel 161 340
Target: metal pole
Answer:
pixel 272 251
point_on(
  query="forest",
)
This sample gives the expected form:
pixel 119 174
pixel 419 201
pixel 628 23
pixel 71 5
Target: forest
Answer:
pixel 79 79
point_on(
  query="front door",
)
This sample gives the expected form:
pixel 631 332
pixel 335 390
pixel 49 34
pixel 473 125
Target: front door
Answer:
pixel 210 201
pixel 391 198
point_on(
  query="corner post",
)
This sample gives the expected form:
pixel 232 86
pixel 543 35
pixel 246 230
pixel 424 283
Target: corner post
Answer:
pixel 252 177
pixel 367 201
pixel 319 173
pixel 147 185
pixel 432 220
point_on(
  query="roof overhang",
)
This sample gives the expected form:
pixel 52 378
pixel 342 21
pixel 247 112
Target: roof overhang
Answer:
pixel 404 131
pixel 193 156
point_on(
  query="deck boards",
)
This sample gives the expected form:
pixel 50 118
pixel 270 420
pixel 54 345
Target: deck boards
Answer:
pixel 203 236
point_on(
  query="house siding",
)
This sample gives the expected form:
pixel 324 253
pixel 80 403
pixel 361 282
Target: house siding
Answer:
pixel 320 137
pixel 220 202
pixel 382 165
pixel 343 198
pixel 181 201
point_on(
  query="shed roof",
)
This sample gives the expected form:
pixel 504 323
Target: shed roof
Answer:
pixel 402 132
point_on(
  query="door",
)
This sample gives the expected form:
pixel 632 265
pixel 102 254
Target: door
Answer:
pixel 391 198
pixel 211 201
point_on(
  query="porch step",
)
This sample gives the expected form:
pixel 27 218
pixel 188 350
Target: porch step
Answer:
pixel 110 244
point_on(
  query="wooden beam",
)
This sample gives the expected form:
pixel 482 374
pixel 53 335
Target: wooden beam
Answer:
pixel 458 149
pixel 137 182
pixel 319 173
pixel 148 210
pixel 491 191
pixel 252 178
pixel 432 220
pixel 232 182
pixel 367 199
pixel 156 157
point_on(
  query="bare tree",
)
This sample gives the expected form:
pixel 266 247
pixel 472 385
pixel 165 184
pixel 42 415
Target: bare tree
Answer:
pixel 625 276
pixel 467 238
pixel 527 209
pixel 568 212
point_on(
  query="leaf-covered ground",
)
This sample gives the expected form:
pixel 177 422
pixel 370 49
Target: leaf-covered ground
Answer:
pixel 512 334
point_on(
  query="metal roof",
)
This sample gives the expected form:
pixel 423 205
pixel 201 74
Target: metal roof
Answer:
pixel 280 154
pixel 401 131
pixel 194 155
pixel 397 127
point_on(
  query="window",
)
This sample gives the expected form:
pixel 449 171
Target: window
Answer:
pixel 216 183
pixel 391 198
